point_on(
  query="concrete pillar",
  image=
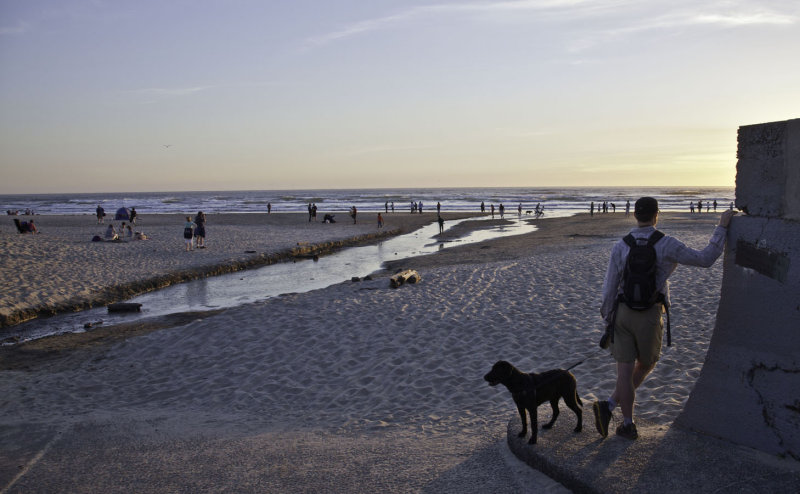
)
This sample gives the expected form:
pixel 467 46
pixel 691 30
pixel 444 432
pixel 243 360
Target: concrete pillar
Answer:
pixel 749 389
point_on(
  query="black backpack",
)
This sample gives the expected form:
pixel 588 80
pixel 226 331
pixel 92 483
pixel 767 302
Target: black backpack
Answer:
pixel 639 291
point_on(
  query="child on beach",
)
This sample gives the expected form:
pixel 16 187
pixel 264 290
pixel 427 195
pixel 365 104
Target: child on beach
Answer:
pixel 637 332
pixel 188 233
pixel 380 221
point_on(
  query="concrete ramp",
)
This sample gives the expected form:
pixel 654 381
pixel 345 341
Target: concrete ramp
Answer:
pixel 749 388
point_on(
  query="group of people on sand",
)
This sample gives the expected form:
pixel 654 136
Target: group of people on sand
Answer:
pixel 605 207
pixel 194 232
pixel 124 233
pixel 708 204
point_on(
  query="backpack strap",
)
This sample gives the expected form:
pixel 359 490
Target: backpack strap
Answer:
pixel 629 239
pixel 654 237
pixel 651 240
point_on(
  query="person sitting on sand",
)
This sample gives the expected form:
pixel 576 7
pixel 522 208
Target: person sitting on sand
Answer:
pixel 111 233
pixel 636 343
pixel 28 226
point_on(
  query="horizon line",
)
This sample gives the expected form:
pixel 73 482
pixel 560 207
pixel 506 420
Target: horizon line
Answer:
pixel 382 188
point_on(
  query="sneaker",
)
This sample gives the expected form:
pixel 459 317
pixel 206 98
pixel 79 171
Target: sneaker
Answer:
pixel 602 416
pixel 628 431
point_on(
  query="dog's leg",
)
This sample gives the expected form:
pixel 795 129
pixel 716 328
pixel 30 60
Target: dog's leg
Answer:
pixel 554 404
pixel 524 419
pixel 534 425
pixel 572 400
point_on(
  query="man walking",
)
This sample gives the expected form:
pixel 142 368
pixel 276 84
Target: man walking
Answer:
pixel 637 333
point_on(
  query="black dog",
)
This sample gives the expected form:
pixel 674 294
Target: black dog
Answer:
pixel 530 390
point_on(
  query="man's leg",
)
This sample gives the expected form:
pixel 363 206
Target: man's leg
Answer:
pixel 625 391
pixel 629 378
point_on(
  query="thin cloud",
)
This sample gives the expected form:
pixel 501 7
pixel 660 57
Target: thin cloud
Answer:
pixel 675 19
pixel 653 16
pixel 745 19
pixel 19 28
pixel 379 23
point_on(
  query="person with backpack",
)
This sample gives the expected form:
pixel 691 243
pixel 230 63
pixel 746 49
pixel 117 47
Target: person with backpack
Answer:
pixel 635 293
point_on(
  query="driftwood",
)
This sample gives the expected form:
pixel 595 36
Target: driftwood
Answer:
pixel 407 276
pixel 124 307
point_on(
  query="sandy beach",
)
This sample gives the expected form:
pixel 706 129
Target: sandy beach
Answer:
pixel 60 269
pixel 354 388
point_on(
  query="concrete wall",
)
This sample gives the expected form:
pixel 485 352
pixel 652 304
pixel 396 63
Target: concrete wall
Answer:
pixel 749 389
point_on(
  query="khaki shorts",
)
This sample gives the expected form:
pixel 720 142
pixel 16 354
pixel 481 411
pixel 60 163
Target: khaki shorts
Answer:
pixel 637 335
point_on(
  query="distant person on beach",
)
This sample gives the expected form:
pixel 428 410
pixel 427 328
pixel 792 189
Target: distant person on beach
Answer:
pixel 188 233
pixel 691 206
pixel 133 216
pixel 491 207
pixel 101 213
pixel 502 210
pixel 393 206
pixel 380 221
pixel 28 227
pixel 627 208
pixel 699 206
pixel 483 207
pixel 438 207
pixel 386 207
pixel 353 214
pixel 441 223
pixel 269 207
pixel 591 209
pixel 111 233
pixel 200 229
pixel 637 334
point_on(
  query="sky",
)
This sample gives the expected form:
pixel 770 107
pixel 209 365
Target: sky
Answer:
pixel 115 96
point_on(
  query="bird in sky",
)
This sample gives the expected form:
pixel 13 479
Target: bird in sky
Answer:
pixel 167 145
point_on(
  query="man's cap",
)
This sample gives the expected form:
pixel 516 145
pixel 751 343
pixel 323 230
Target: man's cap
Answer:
pixel 645 206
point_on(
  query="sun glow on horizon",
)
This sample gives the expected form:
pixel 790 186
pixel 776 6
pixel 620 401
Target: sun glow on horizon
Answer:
pixel 277 96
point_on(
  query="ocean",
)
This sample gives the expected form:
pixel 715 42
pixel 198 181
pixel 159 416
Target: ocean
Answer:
pixel 557 201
